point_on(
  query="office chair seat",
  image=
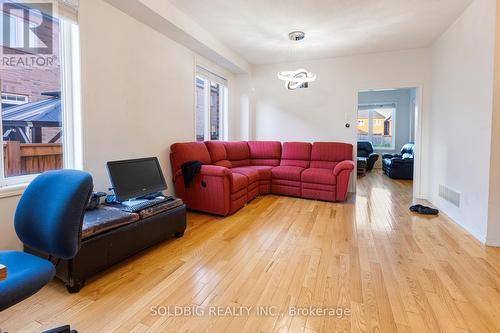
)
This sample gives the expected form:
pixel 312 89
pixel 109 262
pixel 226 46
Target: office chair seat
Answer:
pixel 26 274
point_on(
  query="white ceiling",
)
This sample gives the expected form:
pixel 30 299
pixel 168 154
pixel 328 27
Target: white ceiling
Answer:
pixel 258 29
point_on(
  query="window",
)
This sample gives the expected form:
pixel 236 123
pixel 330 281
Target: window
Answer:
pixel 13 99
pixel 376 124
pixel 39 112
pixel 211 105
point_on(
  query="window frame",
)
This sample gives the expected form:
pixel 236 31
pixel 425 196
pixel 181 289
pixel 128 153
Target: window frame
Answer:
pixel 209 76
pixel 69 46
pixel 15 101
pixel 374 107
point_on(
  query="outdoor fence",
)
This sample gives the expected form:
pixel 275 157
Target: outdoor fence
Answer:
pixel 377 140
pixel 31 158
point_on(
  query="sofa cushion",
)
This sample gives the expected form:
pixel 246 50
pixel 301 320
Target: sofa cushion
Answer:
pixel 224 163
pixel 238 182
pixel 265 152
pixel 264 171
pixel 237 153
pixel 326 155
pixel 287 172
pixel 188 151
pixel 296 154
pixel 251 174
pixel 319 176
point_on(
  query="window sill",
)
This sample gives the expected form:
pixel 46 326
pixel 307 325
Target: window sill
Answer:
pixel 383 149
pixel 12 190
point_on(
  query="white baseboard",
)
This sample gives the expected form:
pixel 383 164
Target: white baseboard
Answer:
pixel 475 233
pixel 493 242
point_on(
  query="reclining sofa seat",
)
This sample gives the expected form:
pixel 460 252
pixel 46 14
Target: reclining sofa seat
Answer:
pixel 329 172
pixel 234 173
pixel 400 166
pixel 253 160
pixel 209 191
pixel 295 158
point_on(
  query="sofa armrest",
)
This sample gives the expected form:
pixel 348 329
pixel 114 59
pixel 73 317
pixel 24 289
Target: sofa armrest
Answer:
pixel 391 156
pixel 398 160
pixel 210 190
pixel 214 170
pixel 343 166
pixel 208 170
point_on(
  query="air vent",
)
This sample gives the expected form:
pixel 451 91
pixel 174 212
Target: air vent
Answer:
pixel 450 195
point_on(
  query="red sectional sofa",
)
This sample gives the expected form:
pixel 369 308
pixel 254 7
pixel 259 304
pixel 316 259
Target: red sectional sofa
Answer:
pixel 234 173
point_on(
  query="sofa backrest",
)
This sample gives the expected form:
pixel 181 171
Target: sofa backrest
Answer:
pixel 365 148
pixel 234 154
pixel 237 153
pixel 181 153
pixel 326 155
pixel 408 149
pixel 265 152
pixel 296 154
pixel 218 153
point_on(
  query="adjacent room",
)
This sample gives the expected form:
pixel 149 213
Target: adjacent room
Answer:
pixel 249 166
pixel 386 133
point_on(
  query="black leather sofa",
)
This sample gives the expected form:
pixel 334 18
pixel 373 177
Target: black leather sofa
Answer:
pixel 399 166
pixel 366 156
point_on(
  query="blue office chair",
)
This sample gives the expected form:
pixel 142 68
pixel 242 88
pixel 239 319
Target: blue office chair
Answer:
pixel 48 218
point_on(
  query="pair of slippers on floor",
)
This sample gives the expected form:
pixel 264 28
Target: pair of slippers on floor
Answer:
pixel 420 209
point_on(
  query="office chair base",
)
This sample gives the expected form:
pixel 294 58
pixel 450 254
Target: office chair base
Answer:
pixel 62 329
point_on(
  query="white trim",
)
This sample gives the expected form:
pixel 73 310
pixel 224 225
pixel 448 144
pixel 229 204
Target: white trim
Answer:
pixel 493 242
pixel 207 95
pixel 13 190
pixel 71 96
pixel 205 73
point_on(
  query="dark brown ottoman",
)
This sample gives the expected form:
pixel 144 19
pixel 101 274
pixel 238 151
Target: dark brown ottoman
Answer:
pixel 110 235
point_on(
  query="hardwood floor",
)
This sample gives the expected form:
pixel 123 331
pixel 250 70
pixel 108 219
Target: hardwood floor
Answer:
pixel 386 269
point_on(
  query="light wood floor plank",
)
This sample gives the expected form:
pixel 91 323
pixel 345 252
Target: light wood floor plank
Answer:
pixel 391 270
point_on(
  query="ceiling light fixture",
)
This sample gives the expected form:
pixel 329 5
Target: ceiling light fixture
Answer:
pixel 299 78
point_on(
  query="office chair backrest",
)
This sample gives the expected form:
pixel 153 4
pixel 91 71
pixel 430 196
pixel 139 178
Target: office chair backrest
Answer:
pixel 49 215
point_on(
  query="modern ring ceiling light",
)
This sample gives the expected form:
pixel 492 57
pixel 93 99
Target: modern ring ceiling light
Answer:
pixel 299 78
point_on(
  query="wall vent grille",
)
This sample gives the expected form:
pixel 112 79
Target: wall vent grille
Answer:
pixel 450 195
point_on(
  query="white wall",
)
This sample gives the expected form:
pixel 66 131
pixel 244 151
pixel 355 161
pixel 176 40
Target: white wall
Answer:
pixel 138 97
pixel 321 111
pixel 494 201
pixel 8 237
pixel 137 90
pixel 241 104
pixel 460 119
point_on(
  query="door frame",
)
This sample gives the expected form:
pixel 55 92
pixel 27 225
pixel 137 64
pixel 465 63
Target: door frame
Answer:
pixel 419 111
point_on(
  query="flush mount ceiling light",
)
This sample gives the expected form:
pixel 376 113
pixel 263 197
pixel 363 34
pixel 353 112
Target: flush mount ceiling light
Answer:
pixel 299 78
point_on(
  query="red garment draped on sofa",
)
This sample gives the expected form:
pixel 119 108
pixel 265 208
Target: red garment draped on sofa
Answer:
pixel 234 173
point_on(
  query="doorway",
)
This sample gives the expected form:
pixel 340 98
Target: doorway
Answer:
pixel 387 135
